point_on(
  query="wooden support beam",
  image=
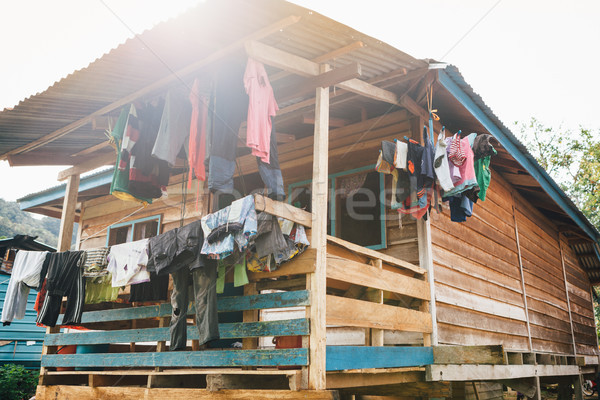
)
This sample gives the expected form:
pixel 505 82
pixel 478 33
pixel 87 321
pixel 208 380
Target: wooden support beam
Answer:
pixel 424 390
pixel 333 122
pixel 250 316
pixel 317 281
pixel 68 213
pixel 160 84
pixel 303 67
pixel 92 149
pixel 323 58
pixel 524 292
pixel 88 165
pixel 481 372
pixel 562 261
pixel 426 263
pixel 284 210
pixel 493 354
pixel 387 376
pixel 376 335
pixel 326 79
pixel 137 393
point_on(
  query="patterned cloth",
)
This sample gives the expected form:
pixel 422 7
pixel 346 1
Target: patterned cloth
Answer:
pixel 96 262
pixel 241 211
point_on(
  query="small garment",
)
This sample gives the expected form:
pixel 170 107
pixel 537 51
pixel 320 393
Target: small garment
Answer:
pixel 119 186
pixel 204 298
pixel 441 164
pixel 401 154
pixel 127 263
pixel 154 290
pixel 255 263
pixel 461 207
pixel 26 271
pixel 482 146
pixel 176 249
pixel 388 150
pixel 383 166
pixel 96 262
pixel 197 141
pixel 261 108
pixel 174 127
pixel 148 176
pixel 483 174
pixel 243 211
pixel 457 151
pixel 240 276
pixel 99 289
pixel 468 180
pixel 269 238
pixel 64 279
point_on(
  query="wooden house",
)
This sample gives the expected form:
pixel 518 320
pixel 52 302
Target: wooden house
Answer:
pixel 385 307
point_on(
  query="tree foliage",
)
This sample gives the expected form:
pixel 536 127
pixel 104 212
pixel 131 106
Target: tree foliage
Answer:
pixel 572 158
pixel 13 222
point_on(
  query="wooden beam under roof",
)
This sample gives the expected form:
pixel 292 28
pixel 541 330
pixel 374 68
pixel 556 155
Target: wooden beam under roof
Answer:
pixel 303 67
pixel 88 165
pixel 326 79
pixel 322 58
pixel 184 72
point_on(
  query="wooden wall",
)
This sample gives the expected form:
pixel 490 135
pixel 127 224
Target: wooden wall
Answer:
pixel 479 291
pixel 100 213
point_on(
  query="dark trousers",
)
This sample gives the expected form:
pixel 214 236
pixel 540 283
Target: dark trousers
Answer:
pixel 204 294
pixel 64 279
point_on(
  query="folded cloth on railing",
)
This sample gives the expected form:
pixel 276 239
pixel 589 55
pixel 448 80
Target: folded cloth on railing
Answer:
pixel 96 262
pixel 127 263
pixel 64 279
pixel 269 238
pixel 241 211
pixel 26 272
pixel 220 232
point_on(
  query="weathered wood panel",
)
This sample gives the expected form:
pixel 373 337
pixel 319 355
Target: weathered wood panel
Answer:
pixel 478 281
pixel 208 358
pixel 226 331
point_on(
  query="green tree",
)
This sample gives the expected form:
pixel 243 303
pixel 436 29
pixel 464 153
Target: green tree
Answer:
pixel 572 158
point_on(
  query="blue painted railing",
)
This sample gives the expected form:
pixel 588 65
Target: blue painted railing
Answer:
pixel 205 358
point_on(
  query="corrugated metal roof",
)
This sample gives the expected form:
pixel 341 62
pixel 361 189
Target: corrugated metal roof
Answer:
pixel 152 56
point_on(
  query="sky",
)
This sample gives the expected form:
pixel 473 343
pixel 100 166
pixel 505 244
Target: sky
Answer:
pixel 525 58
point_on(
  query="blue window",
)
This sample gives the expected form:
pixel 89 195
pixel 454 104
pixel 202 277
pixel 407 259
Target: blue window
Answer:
pixel 131 231
pixel 356 206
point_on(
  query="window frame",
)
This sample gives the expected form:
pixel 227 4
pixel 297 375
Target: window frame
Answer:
pixel 333 205
pixel 157 217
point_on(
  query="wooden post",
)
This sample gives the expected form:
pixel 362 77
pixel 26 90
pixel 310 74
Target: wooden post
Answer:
pixel 68 213
pixel 376 335
pixel 562 260
pixel 514 212
pixel 316 281
pixel 250 316
pixel 426 262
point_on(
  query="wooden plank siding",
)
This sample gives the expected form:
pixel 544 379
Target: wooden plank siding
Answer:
pixel 478 286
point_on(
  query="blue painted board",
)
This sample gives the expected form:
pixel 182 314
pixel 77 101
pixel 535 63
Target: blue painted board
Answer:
pixel 227 331
pixel 358 357
pixel 207 358
pixel 224 304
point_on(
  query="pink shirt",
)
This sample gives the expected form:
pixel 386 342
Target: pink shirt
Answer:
pixel 261 108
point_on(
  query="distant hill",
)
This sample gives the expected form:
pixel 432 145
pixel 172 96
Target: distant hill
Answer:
pixel 13 221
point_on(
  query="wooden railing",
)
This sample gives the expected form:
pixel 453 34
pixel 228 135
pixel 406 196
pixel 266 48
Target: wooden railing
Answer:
pixel 392 295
